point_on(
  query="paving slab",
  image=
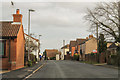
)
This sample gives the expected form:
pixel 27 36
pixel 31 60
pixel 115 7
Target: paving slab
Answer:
pixel 21 73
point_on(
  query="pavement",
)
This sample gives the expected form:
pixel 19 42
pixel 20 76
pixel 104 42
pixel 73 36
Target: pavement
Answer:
pixel 20 73
pixel 106 65
pixel 69 69
pixel 4 71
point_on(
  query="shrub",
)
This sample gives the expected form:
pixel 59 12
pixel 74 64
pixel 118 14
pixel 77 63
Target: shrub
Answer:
pixel 29 63
pixel 52 58
pixel 114 60
pixel 76 57
pixel 92 54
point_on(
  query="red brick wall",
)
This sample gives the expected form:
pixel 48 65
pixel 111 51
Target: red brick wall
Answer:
pixel 72 51
pixel 4 61
pixel 6 64
pixel 20 49
pixel 17 18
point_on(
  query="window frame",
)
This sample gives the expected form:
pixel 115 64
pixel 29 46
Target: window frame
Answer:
pixel 4 42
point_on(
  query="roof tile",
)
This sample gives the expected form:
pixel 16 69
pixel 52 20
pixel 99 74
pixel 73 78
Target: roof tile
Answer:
pixel 9 30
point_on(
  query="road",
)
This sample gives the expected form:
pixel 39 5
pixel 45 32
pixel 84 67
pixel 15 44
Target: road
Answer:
pixel 73 69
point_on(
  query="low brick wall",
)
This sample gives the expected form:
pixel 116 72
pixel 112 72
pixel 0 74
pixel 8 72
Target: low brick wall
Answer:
pixel 101 58
pixel 91 58
pixel 67 57
pixel 4 63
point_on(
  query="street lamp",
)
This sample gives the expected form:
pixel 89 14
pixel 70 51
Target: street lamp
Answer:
pixel 39 45
pixel 30 10
pixel 39 38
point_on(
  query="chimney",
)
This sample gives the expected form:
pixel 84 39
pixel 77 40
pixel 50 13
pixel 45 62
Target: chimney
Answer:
pixel 86 38
pixel 90 36
pixel 17 18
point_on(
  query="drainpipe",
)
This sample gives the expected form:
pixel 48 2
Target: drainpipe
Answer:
pixel 9 50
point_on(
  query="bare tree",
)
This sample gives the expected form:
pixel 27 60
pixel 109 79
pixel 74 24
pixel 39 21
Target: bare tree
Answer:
pixel 33 46
pixel 106 17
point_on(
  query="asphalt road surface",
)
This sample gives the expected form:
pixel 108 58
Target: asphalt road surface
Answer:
pixel 73 69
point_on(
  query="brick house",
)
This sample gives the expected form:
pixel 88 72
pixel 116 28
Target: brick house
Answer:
pixel 77 48
pixel 72 47
pixel 88 46
pixel 12 43
pixel 50 53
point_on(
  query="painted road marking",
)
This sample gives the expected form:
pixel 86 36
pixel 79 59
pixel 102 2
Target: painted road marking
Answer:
pixel 34 71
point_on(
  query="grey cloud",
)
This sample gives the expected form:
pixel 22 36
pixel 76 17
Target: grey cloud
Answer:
pixel 55 21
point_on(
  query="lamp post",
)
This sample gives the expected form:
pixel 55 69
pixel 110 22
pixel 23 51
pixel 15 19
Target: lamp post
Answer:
pixel 39 45
pixel 30 10
pixel 63 50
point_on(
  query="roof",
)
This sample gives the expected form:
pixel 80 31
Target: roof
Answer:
pixel 8 29
pixel 112 46
pixel 66 46
pixel 31 37
pixel 79 41
pixel 86 40
pixel 51 52
pixel 72 43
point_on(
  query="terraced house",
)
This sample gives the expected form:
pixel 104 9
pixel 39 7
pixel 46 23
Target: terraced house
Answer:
pixel 87 46
pixel 12 43
pixel 77 48
pixel 72 47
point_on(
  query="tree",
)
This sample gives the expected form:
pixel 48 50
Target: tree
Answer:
pixel 102 44
pixel 33 46
pixel 106 17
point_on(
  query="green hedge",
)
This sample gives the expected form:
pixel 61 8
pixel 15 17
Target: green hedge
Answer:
pixel 114 60
pixel 29 63
pixel 76 57
pixel 52 58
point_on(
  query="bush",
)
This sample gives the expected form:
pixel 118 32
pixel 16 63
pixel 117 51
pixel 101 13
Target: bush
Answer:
pixel 114 60
pixel 29 63
pixel 76 57
pixel 92 54
pixel 52 58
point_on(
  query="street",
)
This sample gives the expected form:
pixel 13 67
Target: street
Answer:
pixel 73 69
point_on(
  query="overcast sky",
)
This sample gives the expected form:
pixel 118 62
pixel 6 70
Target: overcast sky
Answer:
pixel 55 21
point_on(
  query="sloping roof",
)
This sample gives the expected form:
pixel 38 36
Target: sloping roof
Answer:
pixel 66 46
pixel 8 29
pixel 31 37
pixel 112 46
pixel 51 52
pixel 79 41
pixel 86 40
pixel 72 43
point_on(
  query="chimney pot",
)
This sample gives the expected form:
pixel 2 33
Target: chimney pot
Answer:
pixel 17 11
pixel 86 38
pixel 90 36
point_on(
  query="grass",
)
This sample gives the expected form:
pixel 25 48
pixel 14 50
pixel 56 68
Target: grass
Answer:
pixel 89 62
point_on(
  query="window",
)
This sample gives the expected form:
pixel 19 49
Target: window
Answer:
pixel 2 48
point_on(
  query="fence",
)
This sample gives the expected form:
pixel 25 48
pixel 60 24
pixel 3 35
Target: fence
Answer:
pixel 98 58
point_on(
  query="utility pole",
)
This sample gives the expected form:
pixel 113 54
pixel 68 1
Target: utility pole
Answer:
pixel 119 42
pixel 63 49
pixel 39 45
pixel 97 40
pixel 30 10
